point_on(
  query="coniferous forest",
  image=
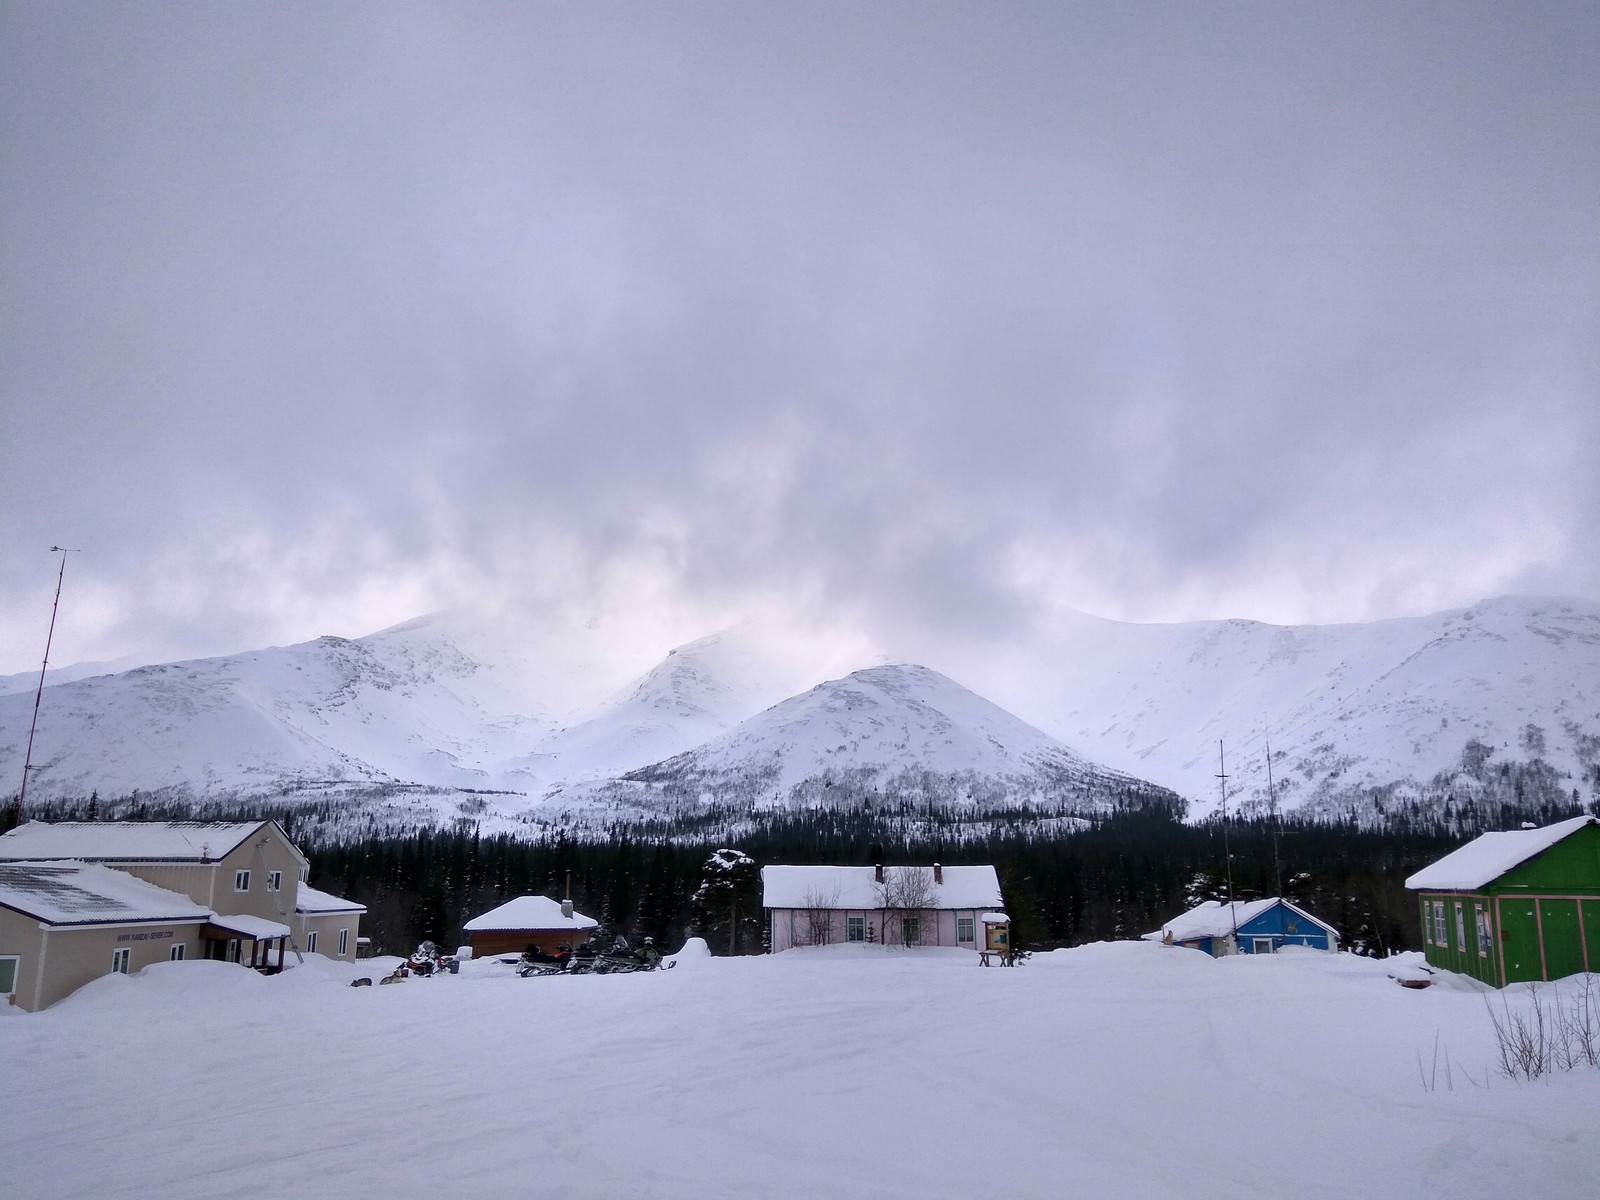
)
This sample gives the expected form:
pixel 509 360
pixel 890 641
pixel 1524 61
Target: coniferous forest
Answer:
pixel 1118 875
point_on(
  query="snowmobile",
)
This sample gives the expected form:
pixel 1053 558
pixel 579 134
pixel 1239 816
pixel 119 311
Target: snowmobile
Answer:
pixel 535 961
pixel 622 958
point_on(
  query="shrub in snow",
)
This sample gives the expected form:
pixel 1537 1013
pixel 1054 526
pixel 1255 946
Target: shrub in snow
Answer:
pixel 1556 1032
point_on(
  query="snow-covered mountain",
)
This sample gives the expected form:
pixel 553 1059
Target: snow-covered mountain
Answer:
pixel 1361 706
pixel 28 681
pixel 696 692
pixel 890 733
pixel 1503 695
pixel 403 705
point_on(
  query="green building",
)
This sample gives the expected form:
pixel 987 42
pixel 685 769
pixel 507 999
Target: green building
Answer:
pixel 1518 906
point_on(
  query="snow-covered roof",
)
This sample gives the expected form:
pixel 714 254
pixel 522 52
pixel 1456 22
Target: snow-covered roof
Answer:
pixel 994 918
pixel 529 912
pixel 310 900
pixel 127 841
pixel 76 893
pixel 251 927
pixel 1491 855
pixel 856 887
pixel 1217 918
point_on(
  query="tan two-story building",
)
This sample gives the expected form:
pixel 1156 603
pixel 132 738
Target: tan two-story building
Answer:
pixel 245 877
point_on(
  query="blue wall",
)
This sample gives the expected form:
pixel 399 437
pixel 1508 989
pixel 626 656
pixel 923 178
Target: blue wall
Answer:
pixel 1285 927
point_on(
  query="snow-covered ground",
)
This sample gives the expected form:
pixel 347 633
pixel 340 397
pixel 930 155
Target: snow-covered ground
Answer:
pixel 1117 1070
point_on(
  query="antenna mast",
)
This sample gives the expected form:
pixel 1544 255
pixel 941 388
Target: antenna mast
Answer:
pixel 1277 839
pixel 1227 854
pixel 27 758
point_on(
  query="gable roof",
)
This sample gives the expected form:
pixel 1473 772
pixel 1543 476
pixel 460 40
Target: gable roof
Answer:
pixel 1490 855
pixel 76 893
pixel 857 888
pixel 131 841
pixel 310 901
pixel 1216 918
pixel 529 912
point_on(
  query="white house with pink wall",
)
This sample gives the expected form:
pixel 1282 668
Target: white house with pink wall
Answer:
pixel 906 906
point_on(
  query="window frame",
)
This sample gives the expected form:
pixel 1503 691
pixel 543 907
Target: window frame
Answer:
pixel 177 952
pixel 274 881
pixel 1461 926
pixel 122 960
pixel 16 972
pixel 1485 934
pixel 311 941
pixel 970 924
pixel 911 923
pixel 241 879
pixel 344 942
pixel 855 928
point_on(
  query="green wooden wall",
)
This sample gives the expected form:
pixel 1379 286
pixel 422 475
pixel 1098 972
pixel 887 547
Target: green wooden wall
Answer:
pixel 1544 913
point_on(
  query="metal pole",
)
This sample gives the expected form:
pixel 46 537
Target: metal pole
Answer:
pixel 1227 854
pixel 1272 802
pixel 38 694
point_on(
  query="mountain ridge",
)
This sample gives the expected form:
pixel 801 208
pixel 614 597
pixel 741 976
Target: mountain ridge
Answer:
pixel 1450 707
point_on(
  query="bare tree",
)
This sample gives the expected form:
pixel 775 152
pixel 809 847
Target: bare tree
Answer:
pixel 821 911
pixel 904 894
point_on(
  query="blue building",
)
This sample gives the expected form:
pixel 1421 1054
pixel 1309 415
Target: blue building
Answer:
pixel 1247 927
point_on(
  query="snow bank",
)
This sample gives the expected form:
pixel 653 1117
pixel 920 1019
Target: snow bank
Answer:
pixel 694 951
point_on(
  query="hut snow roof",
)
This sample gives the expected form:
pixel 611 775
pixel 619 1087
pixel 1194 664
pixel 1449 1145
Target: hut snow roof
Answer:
pixel 529 912
pixel 1489 856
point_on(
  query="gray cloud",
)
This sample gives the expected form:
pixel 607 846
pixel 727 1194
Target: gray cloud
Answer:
pixel 928 314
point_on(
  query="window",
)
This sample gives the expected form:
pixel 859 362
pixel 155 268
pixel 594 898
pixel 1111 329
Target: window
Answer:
pixel 176 953
pixel 911 931
pixel 1438 924
pixel 344 943
pixel 119 959
pixel 1483 931
pixel 274 881
pixel 241 881
pixel 233 950
pixel 9 966
pixel 855 929
pixel 311 942
pixel 966 930
pixel 1461 928
pixel 1261 945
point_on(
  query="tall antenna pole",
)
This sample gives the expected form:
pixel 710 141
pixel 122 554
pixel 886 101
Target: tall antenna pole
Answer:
pixel 1227 854
pixel 1272 803
pixel 27 758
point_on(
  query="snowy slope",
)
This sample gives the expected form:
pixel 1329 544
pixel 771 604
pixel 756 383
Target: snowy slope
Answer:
pixel 1344 705
pixel 28 681
pixel 901 731
pixel 405 704
pixel 696 692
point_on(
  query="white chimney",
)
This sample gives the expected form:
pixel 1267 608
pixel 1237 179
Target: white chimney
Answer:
pixel 566 909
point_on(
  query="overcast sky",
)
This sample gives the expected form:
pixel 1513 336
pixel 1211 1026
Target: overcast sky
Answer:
pixel 317 317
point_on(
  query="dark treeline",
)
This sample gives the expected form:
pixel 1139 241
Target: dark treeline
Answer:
pixel 1115 878
pixel 1064 882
